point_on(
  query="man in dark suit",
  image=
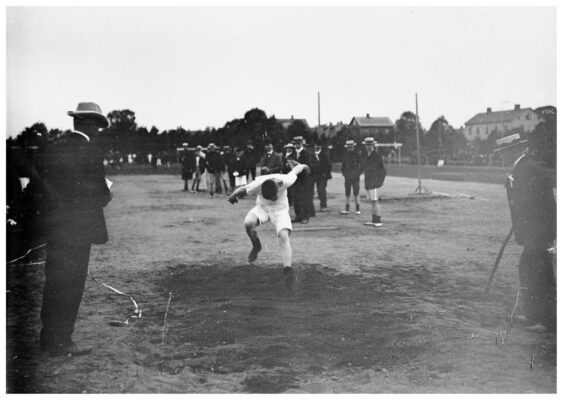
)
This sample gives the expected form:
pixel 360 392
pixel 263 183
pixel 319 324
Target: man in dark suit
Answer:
pixel 73 190
pixel 187 160
pixel 374 175
pixel 271 162
pixel 534 220
pixel 302 187
pixel 321 171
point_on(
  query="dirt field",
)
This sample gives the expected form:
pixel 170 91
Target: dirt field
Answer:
pixel 397 309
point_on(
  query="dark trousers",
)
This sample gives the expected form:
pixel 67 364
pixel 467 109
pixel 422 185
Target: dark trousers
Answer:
pixel 536 273
pixel 301 201
pixel 231 180
pixel 251 173
pixel 321 189
pixel 65 275
pixel 312 197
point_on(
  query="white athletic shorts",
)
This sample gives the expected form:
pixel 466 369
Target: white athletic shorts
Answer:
pixel 280 218
pixel 372 193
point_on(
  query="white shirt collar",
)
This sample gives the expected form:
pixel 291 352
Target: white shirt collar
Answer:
pixel 83 134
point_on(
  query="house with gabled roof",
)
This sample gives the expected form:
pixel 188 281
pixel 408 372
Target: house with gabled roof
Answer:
pixel 286 122
pixel 504 121
pixel 369 126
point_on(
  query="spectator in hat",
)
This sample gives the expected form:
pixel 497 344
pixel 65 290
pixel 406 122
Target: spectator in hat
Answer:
pixel 187 161
pixel 214 165
pixel 226 155
pixel 302 187
pixel 72 187
pixel 533 213
pixel 374 175
pixel 321 172
pixel 271 162
pixel 351 170
pixel 199 168
pixel 289 154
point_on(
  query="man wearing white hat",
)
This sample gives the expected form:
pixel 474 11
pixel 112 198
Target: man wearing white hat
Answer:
pixel 73 193
pixel 374 175
pixel 534 221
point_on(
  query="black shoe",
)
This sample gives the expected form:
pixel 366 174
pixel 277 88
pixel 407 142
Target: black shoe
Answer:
pixel 253 255
pixel 295 220
pixel 288 276
pixel 304 221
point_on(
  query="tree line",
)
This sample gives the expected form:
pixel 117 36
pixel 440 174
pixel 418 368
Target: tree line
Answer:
pixel 440 141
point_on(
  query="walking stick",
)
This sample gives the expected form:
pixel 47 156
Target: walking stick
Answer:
pixel 498 259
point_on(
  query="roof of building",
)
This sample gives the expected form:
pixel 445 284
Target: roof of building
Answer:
pixel 288 121
pixel 495 117
pixel 373 121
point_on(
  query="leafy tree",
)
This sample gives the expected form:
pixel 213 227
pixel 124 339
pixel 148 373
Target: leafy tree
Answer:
pixel 298 128
pixel 405 129
pixel 121 133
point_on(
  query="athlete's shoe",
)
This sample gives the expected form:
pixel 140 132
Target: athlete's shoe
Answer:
pixel 344 212
pixel 358 212
pixel 253 255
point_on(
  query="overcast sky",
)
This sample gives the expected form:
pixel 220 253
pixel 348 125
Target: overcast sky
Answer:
pixel 200 67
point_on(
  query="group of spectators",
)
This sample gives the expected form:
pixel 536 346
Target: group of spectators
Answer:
pixel 226 169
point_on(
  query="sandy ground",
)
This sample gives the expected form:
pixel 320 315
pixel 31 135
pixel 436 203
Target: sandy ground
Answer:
pixel 396 309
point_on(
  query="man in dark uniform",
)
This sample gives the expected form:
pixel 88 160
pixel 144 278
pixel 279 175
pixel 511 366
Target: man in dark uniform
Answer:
pixel 321 171
pixel 534 220
pixel 302 187
pixel 214 165
pixel 73 192
pixel 351 170
pixel 187 160
pixel 374 175
pixel 271 162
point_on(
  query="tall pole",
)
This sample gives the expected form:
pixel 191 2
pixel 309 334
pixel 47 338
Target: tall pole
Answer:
pixel 419 188
pixel 319 115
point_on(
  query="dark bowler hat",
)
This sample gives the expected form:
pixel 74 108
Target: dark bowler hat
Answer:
pixel 509 142
pixel 89 110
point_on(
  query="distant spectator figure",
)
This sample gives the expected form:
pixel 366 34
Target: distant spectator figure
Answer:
pixel 187 162
pixel 351 170
pixel 73 190
pixel 252 158
pixel 321 172
pixel 271 162
pixel 214 165
pixel 534 220
pixel 302 187
pixel 230 161
pixel 226 155
pixel 199 169
pixel 374 176
pixel 240 167
pixel 289 154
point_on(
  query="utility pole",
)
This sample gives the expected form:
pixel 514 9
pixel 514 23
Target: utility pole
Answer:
pixel 319 115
